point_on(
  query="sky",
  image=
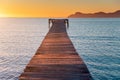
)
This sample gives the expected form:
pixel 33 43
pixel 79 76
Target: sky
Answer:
pixel 55 8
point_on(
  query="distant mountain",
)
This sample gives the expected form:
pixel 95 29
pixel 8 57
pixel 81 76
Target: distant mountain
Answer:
pixel 96 15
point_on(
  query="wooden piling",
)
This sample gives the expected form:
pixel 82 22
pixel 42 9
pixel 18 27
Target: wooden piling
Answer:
pixel 56 58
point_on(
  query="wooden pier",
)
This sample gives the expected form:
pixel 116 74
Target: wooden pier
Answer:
pixel 56 58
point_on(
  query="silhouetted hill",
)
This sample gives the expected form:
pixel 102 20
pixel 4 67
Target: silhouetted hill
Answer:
pixel 96 15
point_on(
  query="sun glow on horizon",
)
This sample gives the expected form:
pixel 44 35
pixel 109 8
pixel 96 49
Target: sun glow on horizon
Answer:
pixel 3 15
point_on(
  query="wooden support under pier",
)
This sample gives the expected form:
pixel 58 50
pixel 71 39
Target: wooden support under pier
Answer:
pixel 56 58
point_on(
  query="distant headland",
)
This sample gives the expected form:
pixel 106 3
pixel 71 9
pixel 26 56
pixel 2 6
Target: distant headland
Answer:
pixel 115 14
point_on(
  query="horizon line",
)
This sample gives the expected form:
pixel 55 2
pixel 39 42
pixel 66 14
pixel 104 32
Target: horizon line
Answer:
pixel 56 17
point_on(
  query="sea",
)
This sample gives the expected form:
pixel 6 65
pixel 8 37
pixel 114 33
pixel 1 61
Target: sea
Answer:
pixel 97 40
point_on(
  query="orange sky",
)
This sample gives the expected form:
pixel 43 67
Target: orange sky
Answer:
pixel 54 8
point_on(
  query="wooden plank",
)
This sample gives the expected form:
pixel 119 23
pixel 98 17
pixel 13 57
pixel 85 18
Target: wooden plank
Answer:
pixel 56 58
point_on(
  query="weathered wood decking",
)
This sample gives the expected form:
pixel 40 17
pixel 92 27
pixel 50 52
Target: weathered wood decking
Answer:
pixel 56 58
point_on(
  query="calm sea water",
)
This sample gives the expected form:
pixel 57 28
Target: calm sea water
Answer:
pixel 96 40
